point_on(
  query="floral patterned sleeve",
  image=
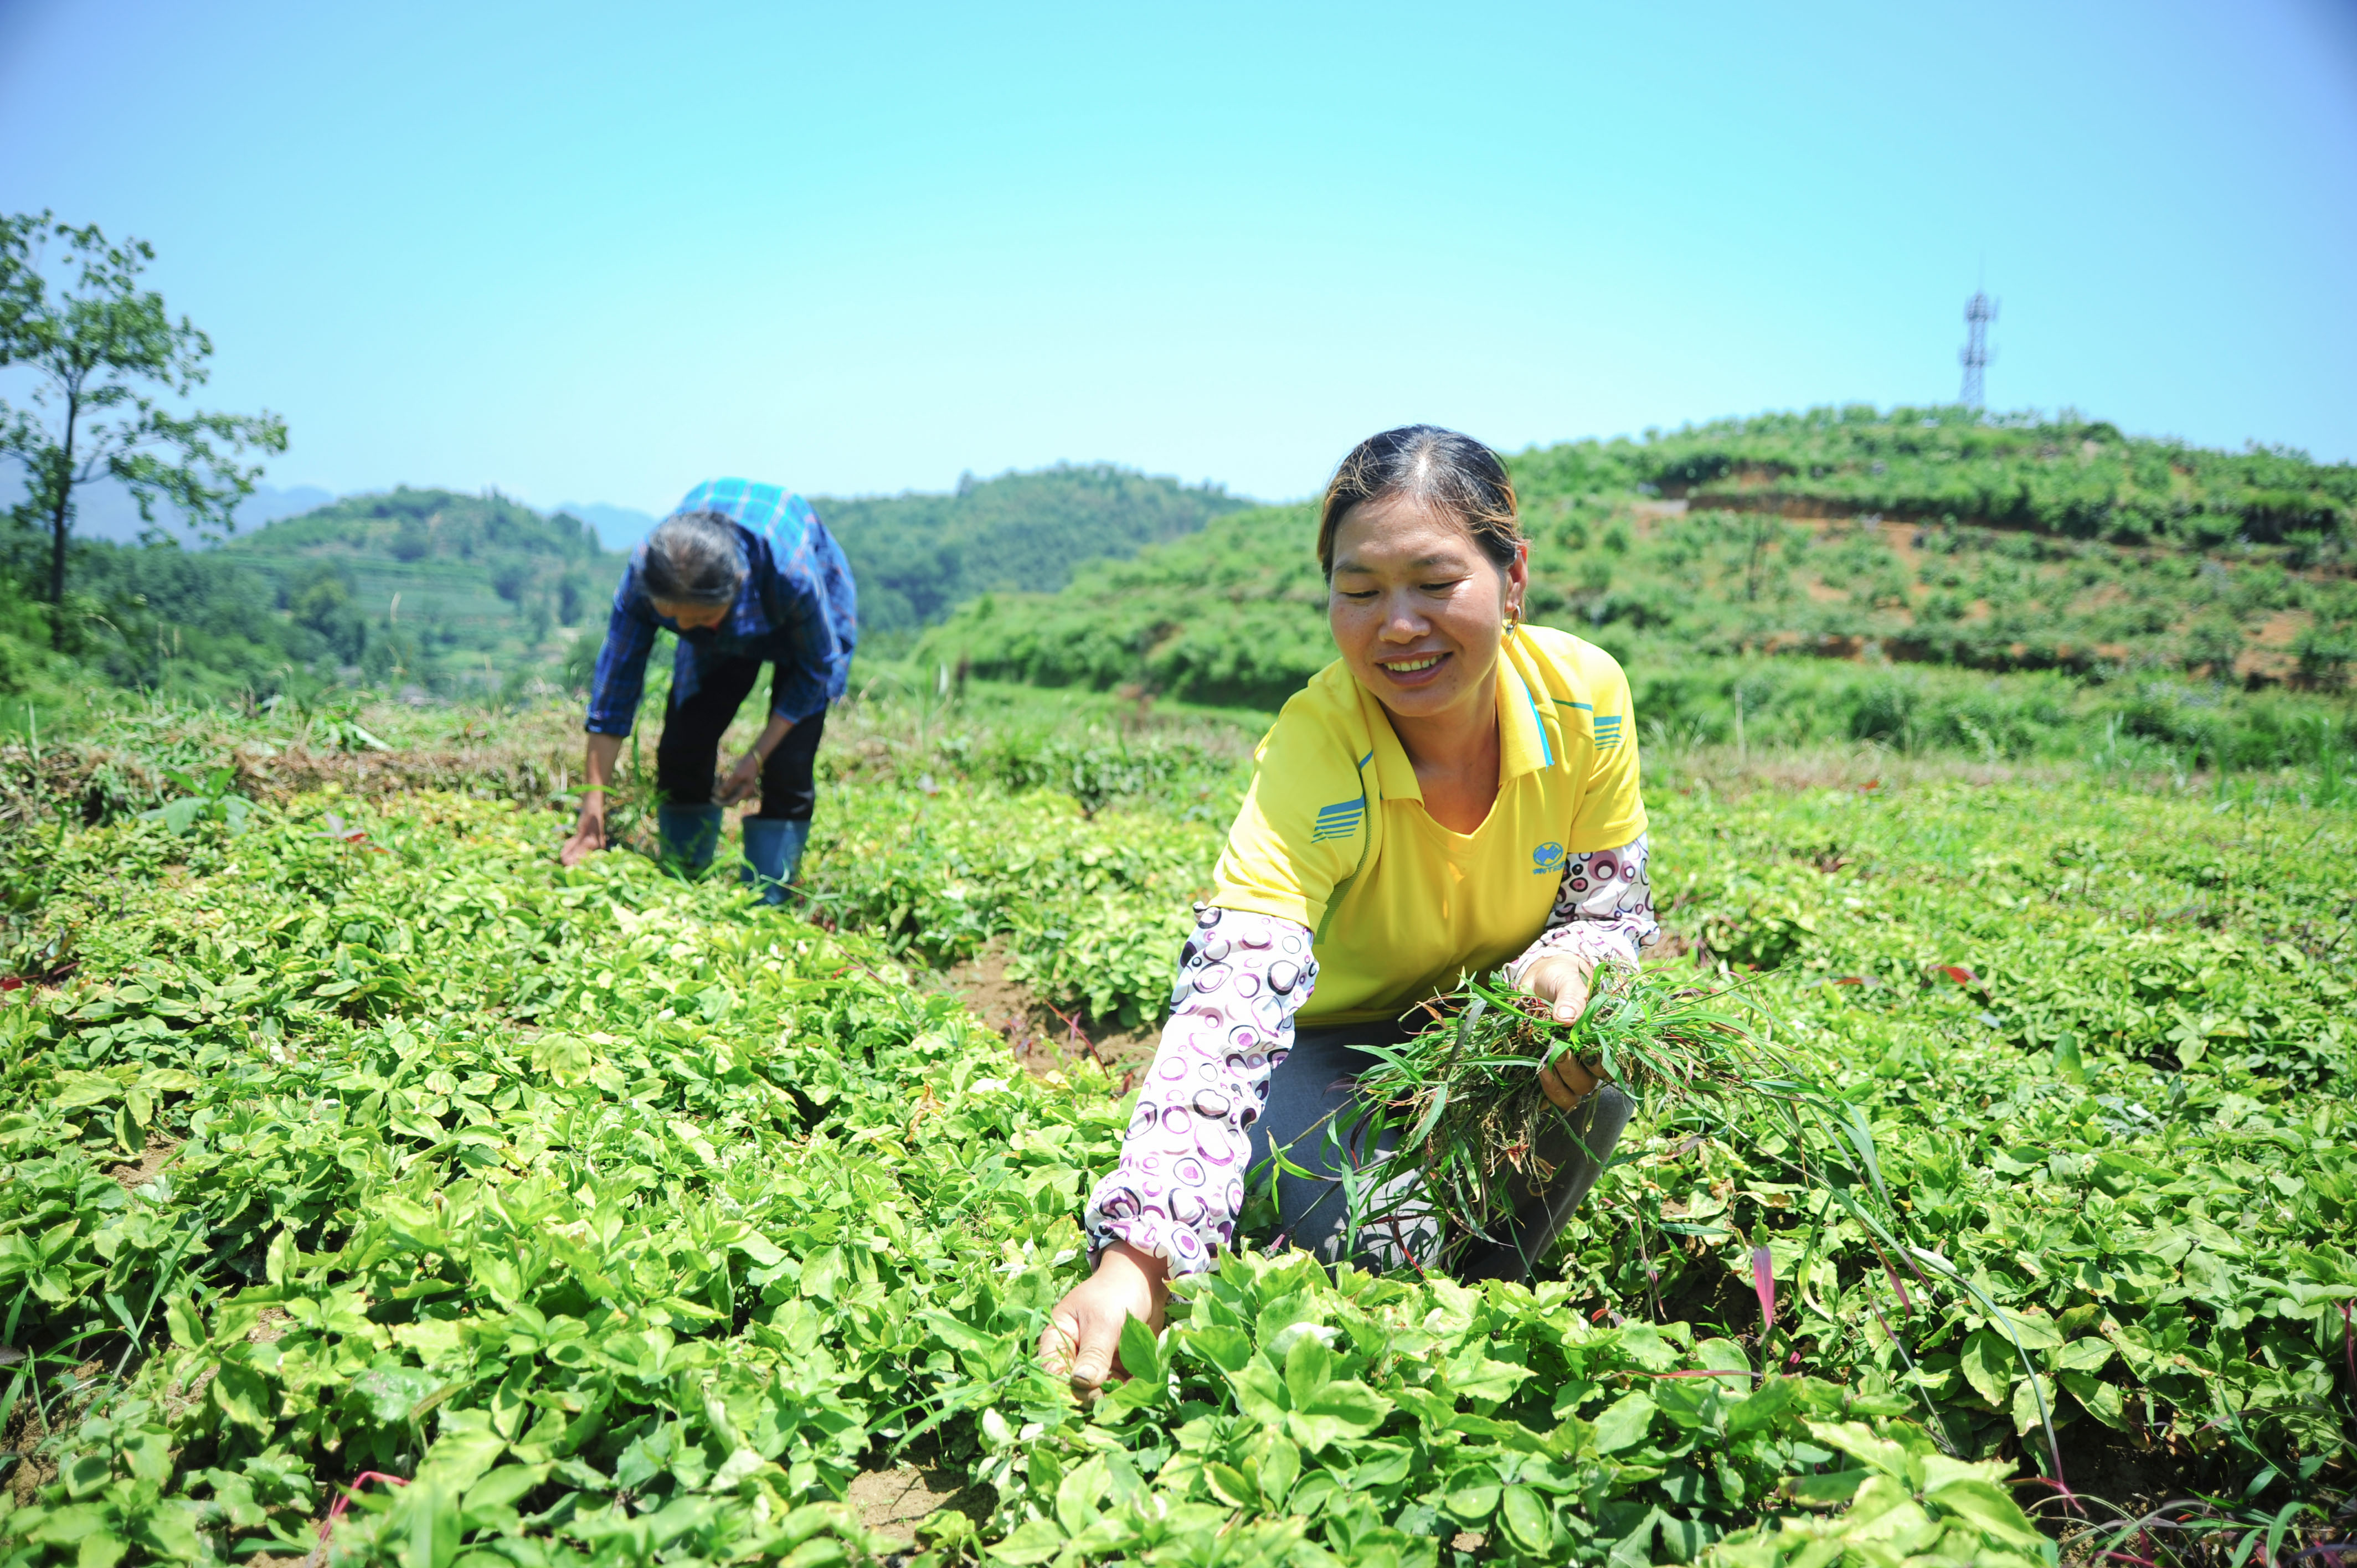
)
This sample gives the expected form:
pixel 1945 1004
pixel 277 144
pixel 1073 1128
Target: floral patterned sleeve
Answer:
pixel 1604 911
pixel 1180 1183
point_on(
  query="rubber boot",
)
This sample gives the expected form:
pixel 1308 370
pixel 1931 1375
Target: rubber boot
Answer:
pixel 773 852
pixel 689 836
pixel 1578 1147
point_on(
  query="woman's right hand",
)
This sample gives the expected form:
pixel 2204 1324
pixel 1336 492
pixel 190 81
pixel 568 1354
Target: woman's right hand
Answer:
pixel 1083 1335
pixel 588 831
pixel 1562 983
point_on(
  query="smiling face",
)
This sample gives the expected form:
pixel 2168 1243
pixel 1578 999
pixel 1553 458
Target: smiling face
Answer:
pixel 1418 611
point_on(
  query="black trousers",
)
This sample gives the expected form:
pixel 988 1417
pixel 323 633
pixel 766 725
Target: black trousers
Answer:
pixel 689 753
pixel 1312 1086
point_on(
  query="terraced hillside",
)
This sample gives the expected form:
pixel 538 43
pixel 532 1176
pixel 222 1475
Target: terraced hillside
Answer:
pixel 1925 537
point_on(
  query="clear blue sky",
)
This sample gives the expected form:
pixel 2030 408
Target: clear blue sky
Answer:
pixel 596 254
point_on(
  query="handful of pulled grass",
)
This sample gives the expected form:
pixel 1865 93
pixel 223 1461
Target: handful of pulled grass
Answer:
pixel 1468 1125
pixel 1460 1108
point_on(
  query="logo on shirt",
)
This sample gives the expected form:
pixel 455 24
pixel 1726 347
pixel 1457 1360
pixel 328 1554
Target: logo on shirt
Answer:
pixel 1546 858
pixel 1607 731
pixel 1338 821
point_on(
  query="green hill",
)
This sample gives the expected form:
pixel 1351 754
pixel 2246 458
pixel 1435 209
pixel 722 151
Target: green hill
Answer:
pixel 455 593
pixel 1920 537
pixel 412 588
pixel 1925 536
pixel 434 586
pixel 919 556
pixel 423 588
pixel 2066 476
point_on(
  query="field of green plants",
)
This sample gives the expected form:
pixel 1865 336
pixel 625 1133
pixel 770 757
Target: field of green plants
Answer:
pixel 363 1169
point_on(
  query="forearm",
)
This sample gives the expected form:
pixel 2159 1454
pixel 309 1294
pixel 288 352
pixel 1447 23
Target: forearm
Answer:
pixel 773 735
pixel 1177 1191
pixel 1603 912
pixel 600 753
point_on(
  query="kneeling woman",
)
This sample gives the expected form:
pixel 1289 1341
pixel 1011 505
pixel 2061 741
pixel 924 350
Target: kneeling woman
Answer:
pixel 1457 792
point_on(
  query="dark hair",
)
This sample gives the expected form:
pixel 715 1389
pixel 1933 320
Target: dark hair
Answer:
pixel 693 559
pixel 1447 472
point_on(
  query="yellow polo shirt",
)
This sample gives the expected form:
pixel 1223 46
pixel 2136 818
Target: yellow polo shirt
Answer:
pixel 1333 833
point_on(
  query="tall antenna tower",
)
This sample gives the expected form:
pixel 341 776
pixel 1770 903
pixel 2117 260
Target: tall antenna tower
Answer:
pixel 1979 311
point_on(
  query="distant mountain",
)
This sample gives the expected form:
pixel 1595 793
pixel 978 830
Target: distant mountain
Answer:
pixel 453 592
pixel 478 573
pixel 618 528
pixel 915 555
pixel 105 509
pixel 428 589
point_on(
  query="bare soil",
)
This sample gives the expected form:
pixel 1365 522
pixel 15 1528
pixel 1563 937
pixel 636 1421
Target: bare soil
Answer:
pixel 33 1470
pixel 1041 1037
pixel 154 1158
pixel 26 1433
pixel 892 1502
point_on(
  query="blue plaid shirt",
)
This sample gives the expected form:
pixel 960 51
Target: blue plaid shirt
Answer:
pixel 797 609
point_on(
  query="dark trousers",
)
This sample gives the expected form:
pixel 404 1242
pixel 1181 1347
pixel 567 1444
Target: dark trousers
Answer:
pixel 689 753
pixel 1317 1085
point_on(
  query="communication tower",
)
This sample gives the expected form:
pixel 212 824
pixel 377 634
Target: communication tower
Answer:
pixel 1979 311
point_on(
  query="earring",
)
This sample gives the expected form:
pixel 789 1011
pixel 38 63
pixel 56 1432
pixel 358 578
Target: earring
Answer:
pixel 1513 620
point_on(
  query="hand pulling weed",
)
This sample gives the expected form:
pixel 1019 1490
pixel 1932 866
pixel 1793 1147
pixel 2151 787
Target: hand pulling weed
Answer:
pixel 1459 1122
pixel 1460 1115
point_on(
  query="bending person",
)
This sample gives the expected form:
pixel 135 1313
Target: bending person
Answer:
pixel 746 574
pixel 1456 793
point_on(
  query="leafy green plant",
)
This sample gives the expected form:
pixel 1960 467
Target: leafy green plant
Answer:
pixel 337 728
pixel 619 1217
pixel 211 795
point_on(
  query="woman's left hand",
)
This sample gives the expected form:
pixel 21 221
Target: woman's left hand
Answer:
pixel 1562 983
pixel 741 779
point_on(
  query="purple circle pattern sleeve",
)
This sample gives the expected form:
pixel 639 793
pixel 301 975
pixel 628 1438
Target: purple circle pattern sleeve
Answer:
pixel 1180 1183
pixel 1603 911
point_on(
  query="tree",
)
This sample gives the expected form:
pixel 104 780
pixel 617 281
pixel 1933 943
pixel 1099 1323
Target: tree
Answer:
pixel 101 348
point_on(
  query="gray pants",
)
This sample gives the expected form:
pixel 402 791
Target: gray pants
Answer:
pixel 1317 1084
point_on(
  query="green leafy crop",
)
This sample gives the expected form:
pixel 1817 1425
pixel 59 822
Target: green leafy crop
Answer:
pixel 614 1219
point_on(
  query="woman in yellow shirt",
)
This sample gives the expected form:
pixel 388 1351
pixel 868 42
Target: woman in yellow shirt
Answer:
pixel 1457 792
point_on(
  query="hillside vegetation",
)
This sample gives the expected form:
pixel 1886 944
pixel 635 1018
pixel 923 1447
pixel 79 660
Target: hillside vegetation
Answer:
pixel 414 588
pixel 917 557
pixel 1924 537
pixel 454 595
pixel 427 582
